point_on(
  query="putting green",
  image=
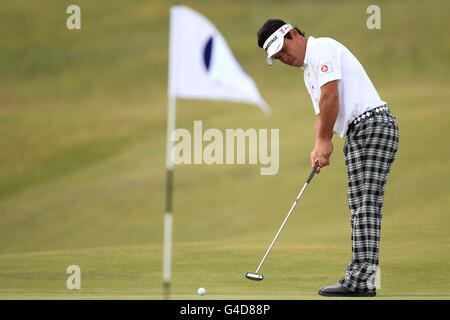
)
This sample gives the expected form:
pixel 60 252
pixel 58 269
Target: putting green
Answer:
pixel 82 177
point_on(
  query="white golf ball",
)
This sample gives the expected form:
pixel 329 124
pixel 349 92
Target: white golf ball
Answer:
pixel 201 291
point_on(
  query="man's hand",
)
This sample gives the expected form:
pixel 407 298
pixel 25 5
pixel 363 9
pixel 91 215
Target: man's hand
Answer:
pixel 322 152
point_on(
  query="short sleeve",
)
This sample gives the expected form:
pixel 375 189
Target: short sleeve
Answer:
pixel 328 63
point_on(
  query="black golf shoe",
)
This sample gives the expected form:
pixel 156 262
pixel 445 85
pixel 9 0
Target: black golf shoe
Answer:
pixel 339 290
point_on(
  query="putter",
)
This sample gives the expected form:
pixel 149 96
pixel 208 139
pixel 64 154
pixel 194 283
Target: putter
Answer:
pixel 255 275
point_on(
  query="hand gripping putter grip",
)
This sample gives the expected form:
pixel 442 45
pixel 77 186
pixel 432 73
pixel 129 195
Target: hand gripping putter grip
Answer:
pixel 255 275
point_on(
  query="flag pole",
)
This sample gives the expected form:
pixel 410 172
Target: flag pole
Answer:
pixel 178 16
pixel 168 218
pixel 171 120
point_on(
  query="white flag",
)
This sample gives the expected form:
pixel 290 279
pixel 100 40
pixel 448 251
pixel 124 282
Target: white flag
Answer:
pixel 202 66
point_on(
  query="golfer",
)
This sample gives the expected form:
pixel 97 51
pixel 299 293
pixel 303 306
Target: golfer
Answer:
pixel 346 103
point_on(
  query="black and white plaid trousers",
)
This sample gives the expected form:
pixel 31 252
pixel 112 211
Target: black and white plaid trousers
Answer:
pixel 370 149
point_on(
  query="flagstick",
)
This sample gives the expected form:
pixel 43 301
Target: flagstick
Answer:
pixel 178 16
pixel 167 248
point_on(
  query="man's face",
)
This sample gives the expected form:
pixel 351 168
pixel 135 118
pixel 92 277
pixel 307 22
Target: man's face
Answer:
pixel 293 51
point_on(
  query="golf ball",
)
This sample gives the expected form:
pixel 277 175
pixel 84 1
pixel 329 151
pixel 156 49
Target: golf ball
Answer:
pixel 201 291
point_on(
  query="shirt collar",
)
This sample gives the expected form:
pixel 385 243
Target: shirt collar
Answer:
pixel 309 44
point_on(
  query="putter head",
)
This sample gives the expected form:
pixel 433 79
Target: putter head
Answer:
pixel 254 276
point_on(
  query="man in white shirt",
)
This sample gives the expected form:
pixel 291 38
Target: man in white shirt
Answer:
pixel 346 103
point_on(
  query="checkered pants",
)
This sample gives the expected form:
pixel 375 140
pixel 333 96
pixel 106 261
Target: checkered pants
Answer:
pixel 370 148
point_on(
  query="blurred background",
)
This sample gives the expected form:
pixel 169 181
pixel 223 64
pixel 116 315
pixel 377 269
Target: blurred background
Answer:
pixel 82 154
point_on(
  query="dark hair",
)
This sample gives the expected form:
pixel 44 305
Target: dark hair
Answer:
pixel 269 27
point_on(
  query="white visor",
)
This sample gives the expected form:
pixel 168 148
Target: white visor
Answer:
pixel 275 42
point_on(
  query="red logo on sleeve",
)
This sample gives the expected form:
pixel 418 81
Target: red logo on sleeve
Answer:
pixel 325 68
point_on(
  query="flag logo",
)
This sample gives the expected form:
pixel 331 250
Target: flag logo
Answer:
pixel 207 53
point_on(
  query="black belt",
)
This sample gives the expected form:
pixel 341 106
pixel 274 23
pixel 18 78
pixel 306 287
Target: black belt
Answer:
pixel 367 115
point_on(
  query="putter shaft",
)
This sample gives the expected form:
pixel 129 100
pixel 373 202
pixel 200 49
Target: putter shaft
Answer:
pixel 287 217
pixel 282 226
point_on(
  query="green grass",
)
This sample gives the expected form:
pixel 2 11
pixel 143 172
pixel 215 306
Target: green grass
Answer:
pixel 82 140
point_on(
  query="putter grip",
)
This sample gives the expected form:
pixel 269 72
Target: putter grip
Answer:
pixel 312 172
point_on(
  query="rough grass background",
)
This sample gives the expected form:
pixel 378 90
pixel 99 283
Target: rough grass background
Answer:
pixel 82 153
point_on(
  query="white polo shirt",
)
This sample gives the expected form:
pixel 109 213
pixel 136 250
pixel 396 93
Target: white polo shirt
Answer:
pixel 327 60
